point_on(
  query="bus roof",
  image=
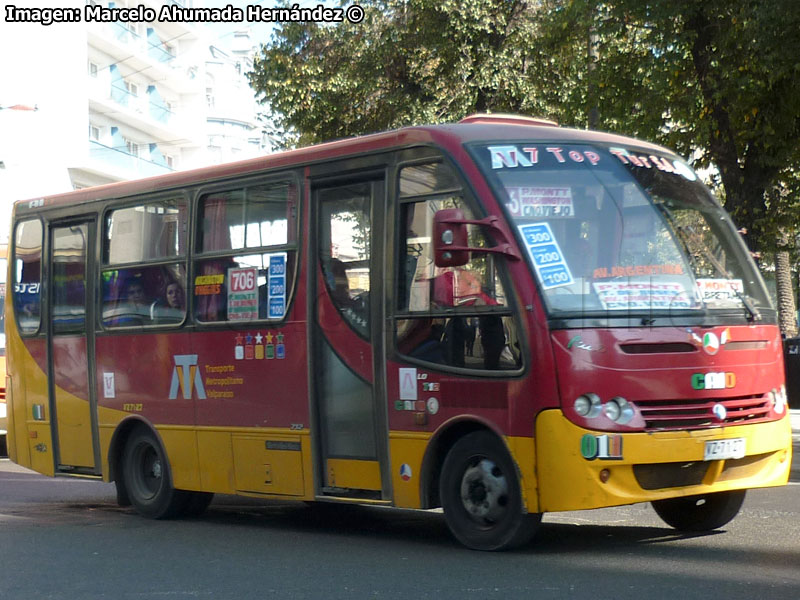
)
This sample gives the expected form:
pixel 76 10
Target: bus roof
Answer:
pixel 450 137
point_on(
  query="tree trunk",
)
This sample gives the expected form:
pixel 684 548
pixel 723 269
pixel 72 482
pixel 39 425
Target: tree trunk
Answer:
pixel 783 285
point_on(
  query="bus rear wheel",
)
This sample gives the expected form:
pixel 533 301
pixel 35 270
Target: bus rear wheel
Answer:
pixel 148 481
pixel 700 513
pixel 481 495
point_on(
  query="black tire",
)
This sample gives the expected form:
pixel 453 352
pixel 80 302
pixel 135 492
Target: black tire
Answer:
pixel 122 494
pixel 147 478
pixel 481 497
pixel 197 503
pixel 700 513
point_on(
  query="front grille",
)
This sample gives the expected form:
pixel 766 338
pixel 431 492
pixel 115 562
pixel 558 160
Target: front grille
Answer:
pixel 661 415
pixel 680 474
pixel 670 475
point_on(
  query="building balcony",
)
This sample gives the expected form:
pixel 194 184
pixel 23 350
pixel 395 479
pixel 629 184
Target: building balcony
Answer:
pixel 145 111
pixel 145 52
pixel 118 164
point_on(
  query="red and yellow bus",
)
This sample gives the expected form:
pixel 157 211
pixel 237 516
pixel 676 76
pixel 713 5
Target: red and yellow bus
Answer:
pixel 499 317
pixel 3 407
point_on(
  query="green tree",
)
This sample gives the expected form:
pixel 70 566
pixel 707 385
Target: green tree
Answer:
pixel 717 80
pixel 408 62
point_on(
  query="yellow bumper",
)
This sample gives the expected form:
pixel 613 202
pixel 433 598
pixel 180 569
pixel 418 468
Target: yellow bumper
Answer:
pixel 641 467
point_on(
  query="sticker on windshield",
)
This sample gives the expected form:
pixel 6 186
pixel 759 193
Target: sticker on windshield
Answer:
pixel 511 157
pixel 540 202
pixel 654 162
pixel 637 270
pixel 546 255
pixel 648 295
pixel 720 290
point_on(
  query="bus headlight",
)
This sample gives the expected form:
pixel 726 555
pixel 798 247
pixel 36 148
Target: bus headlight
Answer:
pixel 779 400
pixel 619 410
pixel 588 405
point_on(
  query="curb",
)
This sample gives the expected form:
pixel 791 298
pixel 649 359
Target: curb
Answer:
pixel 794 415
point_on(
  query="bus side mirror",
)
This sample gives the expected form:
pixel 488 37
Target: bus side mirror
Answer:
pixel 450 238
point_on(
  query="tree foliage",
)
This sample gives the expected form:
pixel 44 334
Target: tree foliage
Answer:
pixel 408 62
pixel 717 80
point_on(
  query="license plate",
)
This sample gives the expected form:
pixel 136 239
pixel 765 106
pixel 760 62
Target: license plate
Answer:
pixel 724 449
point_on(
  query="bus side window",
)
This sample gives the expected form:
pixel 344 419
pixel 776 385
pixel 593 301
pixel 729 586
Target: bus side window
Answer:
pixel 252 230
pixel 127 296
pixel 27 274
pixel 136 237
pixel 482 332
pixel 344 254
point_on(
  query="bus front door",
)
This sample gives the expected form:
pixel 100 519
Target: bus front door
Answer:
pixel 73 402
pixel 350 419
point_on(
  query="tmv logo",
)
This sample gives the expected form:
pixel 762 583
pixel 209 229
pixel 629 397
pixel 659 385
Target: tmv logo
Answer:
pixel 184 376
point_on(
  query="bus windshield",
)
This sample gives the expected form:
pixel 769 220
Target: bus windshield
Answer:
pixel 617 230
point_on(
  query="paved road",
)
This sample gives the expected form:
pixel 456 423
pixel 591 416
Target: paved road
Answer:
pixel 67 539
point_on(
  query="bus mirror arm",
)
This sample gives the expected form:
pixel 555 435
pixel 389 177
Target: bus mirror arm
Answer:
pixel 451 246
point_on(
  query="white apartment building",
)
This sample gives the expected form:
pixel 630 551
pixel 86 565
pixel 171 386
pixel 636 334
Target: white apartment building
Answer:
pixel 144 91
pixel 233 130
pixel 116 101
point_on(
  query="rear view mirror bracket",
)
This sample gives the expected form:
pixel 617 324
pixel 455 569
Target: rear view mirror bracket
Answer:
pixel 451 248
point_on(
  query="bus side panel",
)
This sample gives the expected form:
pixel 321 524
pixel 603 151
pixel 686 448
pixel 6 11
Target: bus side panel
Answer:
pixel 253 377
pixel 31 438
pixel 71 385
pixel 523 451
pixel 181 446
pixel 134 374
pixel 407 451
pixel 256 463
pixel 223 383
pixel 215 456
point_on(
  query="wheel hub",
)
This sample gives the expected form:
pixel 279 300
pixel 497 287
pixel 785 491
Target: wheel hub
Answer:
pixel 484 491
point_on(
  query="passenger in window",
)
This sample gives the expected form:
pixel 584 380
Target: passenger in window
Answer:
pixel 469 336
pixel 493 340
pixel 169 308
pixel 174 296
pixel 355 310
pixel 430 347
pixel 134 292
pixel 137 304
pixel 463 288
pixel 337 282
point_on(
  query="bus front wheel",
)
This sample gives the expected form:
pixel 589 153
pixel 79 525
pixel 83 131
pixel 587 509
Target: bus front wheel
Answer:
pixel 700 513
pixel 481 495
pixel 147 478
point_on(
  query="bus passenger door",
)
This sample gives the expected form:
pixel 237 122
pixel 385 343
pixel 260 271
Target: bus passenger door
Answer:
pixel 73 401
pixel 350 420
